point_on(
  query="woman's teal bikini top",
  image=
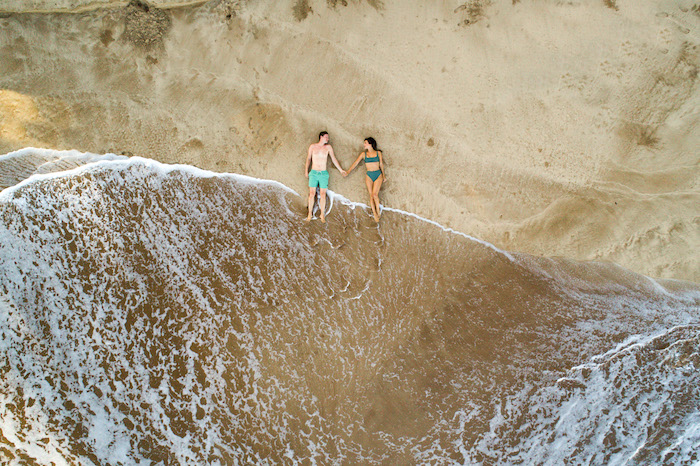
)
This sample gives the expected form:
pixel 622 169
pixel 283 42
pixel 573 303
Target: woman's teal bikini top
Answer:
pixel 371 159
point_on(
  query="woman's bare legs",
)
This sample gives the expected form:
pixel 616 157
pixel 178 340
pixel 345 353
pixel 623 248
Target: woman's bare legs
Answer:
pixel 375 195
pixel 373 189
pixel 369 183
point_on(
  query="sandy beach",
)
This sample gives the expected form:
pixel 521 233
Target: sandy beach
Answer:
pixel 556 128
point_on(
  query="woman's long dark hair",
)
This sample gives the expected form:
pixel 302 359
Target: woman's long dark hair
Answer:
pixel 372 143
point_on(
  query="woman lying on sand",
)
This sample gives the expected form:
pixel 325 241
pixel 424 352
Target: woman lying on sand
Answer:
pixel 375 173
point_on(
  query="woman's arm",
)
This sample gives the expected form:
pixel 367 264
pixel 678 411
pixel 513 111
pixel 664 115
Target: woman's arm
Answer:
pixel 356 162
pixel 381 164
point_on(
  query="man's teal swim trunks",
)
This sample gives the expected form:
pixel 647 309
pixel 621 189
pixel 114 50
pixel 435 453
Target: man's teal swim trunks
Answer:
pixel 318 178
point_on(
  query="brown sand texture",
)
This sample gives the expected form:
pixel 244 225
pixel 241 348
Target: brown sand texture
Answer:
pixel 557 128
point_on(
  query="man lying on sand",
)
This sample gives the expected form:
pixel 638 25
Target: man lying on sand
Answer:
pixel 318 176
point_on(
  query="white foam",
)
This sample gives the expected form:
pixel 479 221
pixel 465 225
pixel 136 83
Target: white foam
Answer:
pixel 619 394
pixel 31 441
pixel 116 162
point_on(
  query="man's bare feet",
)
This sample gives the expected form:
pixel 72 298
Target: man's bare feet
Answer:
pixel 308 219
pixel 323 219
pixel 376 218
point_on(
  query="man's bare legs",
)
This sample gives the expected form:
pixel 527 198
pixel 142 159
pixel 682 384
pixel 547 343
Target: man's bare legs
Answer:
pixel 312 194
pixel 322 205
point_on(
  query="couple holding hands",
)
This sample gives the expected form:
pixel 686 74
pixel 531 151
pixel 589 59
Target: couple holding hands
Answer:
pixel 317 157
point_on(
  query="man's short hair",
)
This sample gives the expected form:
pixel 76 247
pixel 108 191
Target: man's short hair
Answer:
pixel 322 133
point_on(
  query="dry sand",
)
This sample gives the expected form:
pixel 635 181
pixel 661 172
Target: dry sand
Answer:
pixel 566 128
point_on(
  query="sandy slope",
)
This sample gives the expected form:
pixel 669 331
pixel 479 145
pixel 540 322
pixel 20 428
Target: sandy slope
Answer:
pixel 551 127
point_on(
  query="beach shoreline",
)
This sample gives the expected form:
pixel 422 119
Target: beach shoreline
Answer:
pixel 508 122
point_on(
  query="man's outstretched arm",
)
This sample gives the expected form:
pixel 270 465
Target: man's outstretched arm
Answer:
pixel 335 161
pixel 308 162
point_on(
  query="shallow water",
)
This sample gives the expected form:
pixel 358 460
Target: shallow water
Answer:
pixel 163 313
